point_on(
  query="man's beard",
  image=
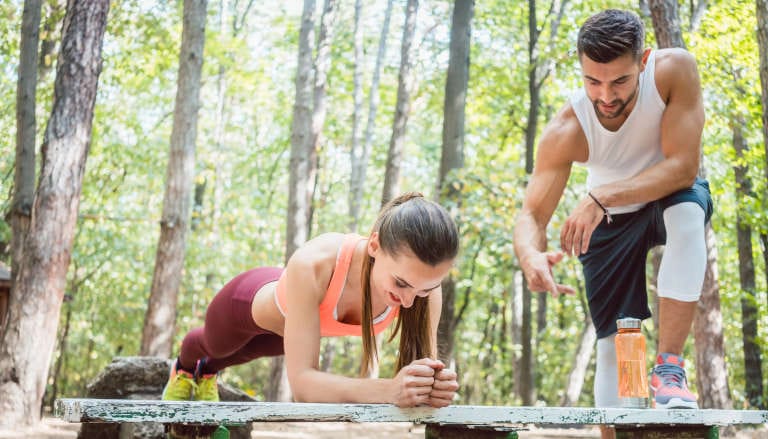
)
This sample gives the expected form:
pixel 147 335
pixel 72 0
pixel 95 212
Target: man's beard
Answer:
pixel 620 110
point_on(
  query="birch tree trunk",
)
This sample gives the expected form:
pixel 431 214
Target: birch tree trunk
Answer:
pixel 749 310
pixel 360 158
pixel 159 323
pixel 708 336
pixel 580 364
pixel 27 343
pixel 51 18
pixel 297 227
pixel 26 129
pixel 319 109
pixel 402 107
pixel 355 150
pixel 452 154
pixel 301 137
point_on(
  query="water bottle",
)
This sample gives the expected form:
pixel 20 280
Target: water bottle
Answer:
pixel 630 359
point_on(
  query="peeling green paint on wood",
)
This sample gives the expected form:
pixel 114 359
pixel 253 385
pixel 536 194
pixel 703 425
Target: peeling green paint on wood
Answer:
pixel 234 413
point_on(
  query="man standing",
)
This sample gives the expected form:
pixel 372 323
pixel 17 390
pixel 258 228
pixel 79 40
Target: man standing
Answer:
pixel 636 125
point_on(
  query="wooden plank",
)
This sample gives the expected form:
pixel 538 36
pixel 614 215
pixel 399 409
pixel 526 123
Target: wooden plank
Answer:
pixel 233 413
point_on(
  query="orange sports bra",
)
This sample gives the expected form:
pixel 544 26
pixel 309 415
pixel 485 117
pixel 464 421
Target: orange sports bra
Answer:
pixel 329 325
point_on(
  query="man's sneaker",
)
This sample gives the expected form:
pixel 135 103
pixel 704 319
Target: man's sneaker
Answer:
pixel 207 388
pixel 180 384
pixel 669 385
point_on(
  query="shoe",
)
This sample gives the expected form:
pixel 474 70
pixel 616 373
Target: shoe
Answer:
pixel 669 384
pixel 180 384
pixel 207 388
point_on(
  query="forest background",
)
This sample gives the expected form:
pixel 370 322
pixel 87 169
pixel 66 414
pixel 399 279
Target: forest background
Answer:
pixel 509 346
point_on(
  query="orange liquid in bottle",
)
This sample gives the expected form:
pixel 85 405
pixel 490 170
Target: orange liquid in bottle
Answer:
pixel 630 359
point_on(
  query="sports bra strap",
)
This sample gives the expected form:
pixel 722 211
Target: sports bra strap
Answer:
pixel 339 277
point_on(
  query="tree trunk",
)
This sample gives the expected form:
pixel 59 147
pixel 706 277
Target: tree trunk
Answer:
pixel 653 293
pixel 711 368
pixel 297 227
pixel 526 366
pixel 360 164
pixel 516 327
pixel 698 14
pixel 219 137
pixel 319 111
pixel 402 108
pixel 525 362
pixel 157 335
pixel 762 44
pixel 538 70
pixel 452 153
pixel 61 359
pixel 580 364
pixel 301 137
pixel 749 309
pixel 355 150
pixel 666 23
pixel 51 21
pixel 764 242
pixel 27 343
pixel 26 129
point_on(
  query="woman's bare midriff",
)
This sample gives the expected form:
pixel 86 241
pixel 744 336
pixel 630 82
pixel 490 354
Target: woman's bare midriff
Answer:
pixel 264 310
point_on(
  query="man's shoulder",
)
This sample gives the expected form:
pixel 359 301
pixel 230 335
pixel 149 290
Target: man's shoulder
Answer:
pixel 672 58
pixel 564 134
pixel 566 123
pixel 673 65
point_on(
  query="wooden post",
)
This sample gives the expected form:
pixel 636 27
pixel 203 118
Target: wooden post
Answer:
pixel 443 431
pixel 667 432
pixel 181 431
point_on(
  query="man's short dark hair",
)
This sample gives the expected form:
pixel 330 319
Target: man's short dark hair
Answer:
pixel 611 34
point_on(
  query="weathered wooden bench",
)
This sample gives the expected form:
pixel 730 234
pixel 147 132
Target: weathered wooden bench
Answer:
pixel 458 421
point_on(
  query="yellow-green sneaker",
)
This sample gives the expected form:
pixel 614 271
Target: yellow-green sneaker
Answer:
pixel 207 388
pixel 180 385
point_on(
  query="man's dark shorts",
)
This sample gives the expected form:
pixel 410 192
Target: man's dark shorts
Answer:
pixel 614 266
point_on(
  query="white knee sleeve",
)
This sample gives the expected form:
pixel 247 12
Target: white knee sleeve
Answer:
pixel 606 375
pixel 681 273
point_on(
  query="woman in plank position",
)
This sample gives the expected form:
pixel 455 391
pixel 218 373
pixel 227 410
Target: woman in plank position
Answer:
pixel 336 285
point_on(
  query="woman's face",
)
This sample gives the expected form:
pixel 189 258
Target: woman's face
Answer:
pixel 399 279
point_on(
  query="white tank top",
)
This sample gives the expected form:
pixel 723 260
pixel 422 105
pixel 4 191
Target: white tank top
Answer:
pixel 635 146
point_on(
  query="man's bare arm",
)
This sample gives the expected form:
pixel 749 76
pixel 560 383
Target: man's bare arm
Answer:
pixel 554 157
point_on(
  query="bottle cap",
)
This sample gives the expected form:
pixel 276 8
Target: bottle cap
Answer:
pixel 628 323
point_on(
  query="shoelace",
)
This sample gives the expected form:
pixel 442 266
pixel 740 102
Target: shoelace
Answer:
pixel 670 374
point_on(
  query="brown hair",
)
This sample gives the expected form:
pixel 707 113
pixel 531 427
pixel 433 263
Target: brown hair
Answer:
pixel 409 221
pixel 611 34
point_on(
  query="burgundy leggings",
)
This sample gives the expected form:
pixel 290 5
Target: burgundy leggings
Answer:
pixel 229 335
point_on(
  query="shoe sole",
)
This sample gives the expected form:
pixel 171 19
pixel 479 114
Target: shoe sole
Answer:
pixel 677 403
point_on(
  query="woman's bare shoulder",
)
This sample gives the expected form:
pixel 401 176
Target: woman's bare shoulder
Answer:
pixel 317 257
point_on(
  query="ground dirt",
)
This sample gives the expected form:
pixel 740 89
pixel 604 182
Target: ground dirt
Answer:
pixel 56 429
